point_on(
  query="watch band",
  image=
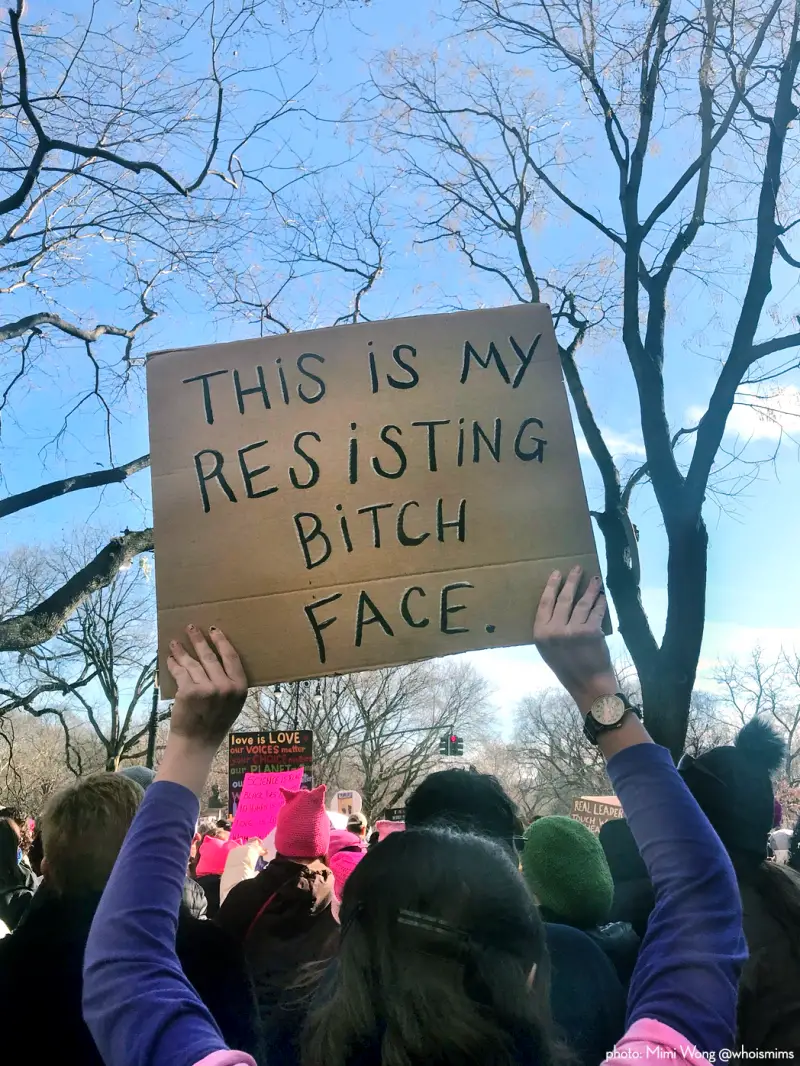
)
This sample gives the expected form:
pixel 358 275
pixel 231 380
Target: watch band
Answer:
pixel 592 729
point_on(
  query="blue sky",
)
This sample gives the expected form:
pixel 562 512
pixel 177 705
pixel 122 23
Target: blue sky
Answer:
pixel 753 582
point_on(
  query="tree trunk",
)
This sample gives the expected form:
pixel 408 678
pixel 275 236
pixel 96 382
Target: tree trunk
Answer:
pixel 667 672
pixel 665 703
pixel 668 680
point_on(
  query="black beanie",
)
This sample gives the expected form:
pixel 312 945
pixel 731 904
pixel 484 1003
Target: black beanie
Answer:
pixel 732 785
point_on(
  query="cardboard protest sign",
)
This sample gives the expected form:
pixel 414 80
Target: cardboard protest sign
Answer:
pixel 260 801
pixel 347 802
pixel 394 814
pixel 594 811
pixel 354 497
pixel 271 752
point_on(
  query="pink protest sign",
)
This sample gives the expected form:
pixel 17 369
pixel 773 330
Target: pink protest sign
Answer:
pixel 385 828
pixel 213 854
pixel 259 803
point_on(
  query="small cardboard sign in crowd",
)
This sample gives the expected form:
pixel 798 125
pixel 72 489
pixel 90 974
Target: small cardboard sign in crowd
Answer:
pixel 595 811
pixel 364 495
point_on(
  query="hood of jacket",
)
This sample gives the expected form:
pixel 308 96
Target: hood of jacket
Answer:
pixel 285 917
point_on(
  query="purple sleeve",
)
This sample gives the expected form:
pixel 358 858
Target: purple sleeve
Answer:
pixel 138 1004
pixel 688 968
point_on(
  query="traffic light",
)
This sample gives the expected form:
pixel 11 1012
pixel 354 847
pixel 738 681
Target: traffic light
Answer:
pixel 451 745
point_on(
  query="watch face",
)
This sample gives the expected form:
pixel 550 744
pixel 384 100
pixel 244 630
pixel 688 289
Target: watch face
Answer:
pixel 608 710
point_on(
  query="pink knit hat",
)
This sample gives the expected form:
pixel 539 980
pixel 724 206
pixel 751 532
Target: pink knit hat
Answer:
pixel 341 839
pixel 304 829
pixel 342 865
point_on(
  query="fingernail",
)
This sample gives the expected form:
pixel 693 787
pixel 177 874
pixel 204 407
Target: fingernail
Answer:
pixel 213 629
pixel 555 574
pixel 575 569
pixel 190 627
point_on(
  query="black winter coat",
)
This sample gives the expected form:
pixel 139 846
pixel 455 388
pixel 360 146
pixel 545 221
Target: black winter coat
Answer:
pixel 285 917
pixel 42 963
pixel 586 997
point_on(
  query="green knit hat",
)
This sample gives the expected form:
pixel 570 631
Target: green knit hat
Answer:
pixel 566 869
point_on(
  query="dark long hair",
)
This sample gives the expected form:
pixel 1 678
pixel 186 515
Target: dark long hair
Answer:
pixel 794 847
pixel 779 889
pixel 439 935
pixel 11 876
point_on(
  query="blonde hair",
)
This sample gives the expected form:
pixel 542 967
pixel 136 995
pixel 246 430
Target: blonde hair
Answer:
pixel 83 828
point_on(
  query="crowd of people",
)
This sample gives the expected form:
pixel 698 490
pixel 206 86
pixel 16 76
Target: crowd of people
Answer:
pixel 150 938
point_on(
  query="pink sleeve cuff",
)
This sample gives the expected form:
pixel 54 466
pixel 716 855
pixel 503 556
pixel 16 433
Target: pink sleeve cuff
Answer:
pixel 227 1058
pixel 649 1040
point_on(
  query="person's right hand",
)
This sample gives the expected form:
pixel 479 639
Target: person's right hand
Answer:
pixel 570 638
pixel 211 688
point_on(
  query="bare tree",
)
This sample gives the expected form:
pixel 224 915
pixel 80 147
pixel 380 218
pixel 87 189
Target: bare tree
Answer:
pixel 376 731
pixel 321 705
pixel 33 765
pixel 403 712
pixel 758 685
pixel 100 667
pixel 491 151
pixel 557 762
pixel 549 763
pixel 143 157
pixel 709 724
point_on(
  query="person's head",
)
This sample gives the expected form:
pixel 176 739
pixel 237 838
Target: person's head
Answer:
pixel 341 865
pixel 12 813
pixel 357 824
pixel 794 847
pixel 634 897
pixel 466 801
pixel 10 873
pixel 442 959
pixel 36 852
pixel 143 776
pixel 303 831
pixel 83 828
pixel 566 869
pixel 732 785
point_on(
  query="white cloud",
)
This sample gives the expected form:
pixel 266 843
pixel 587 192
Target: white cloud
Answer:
pixel 619 444
pixel 759 413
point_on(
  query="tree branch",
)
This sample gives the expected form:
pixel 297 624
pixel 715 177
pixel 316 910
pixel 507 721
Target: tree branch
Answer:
pixel 47 318
pixel 94 479
pixel 44 621
pixel 779 344
pixel 743 351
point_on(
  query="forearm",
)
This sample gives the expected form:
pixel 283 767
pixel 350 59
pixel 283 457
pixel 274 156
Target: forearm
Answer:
pixel 689 964
pixel 629 734
pixel 186 762
pixel 138 1004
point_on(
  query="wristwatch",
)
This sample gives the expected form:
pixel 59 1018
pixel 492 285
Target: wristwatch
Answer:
pixel 607 713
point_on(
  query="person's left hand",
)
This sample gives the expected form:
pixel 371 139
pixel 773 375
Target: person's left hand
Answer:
pixel 211 687
pixel 568 631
